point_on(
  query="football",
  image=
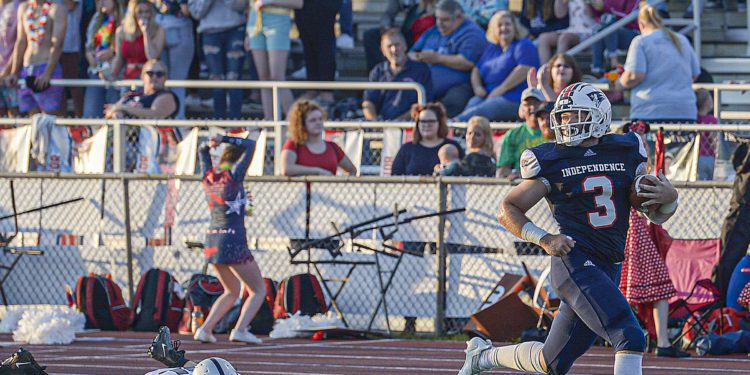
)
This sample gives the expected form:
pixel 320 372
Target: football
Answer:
pixel 636 201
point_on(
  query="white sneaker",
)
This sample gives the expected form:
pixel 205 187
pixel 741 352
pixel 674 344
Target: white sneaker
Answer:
pixel 203 336
pixel 300 73
pixel 244 336
pixel 474 349
pixel 345 41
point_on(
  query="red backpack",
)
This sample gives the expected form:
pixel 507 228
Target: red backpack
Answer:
pixel 156 304
pixel 202 290
pixel 299 293
pixel 100 299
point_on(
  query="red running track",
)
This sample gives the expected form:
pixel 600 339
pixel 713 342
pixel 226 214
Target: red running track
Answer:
pixel 125 353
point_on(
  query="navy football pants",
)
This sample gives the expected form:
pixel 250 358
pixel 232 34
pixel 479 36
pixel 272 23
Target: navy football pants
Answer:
pixel 592 305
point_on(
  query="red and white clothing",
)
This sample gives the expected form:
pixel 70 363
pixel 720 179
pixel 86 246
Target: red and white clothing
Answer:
pixel 744 298
pixel 644 276
pixel 328 160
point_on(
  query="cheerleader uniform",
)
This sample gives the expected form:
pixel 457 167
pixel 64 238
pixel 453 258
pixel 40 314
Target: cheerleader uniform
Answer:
pixel 226 239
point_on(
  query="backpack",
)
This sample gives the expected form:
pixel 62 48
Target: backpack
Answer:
pixel 202 290
pixel 262 323
pixel 156 304
pixel 100 300
pixel 299 293
pixel 721 321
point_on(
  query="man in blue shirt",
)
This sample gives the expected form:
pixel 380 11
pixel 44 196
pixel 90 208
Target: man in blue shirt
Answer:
pixel 451 48
pixel 395 104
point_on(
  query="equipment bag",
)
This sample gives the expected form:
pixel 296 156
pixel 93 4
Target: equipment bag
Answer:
pixel 202 290
pixel 156 304
pixel 100 299
pixel 299 293
pixel 262 323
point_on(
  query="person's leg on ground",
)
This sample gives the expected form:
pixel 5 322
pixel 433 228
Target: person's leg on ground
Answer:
pixel 214 52
pixel 260 57
pixel 346 39
pixel 597 56
pixel 94 100
pixel 235 56
pixel 324 66
pixel 250 274
pixel 496 108
pixel 277 62
pixel 178 55
pixel 232 290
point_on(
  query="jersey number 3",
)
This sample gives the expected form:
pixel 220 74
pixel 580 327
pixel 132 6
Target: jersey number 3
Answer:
pixel 603 185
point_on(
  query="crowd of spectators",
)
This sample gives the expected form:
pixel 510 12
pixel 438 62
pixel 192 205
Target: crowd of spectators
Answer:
pixel 477 60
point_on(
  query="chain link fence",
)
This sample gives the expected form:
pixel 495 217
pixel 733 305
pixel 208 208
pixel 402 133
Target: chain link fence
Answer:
pixel 160 214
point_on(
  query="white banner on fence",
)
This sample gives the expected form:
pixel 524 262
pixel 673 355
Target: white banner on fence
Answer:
pixel 685 165
pixel 186 151
pixel 92 153
pixel 15 145
pixel 52 145
pixel 259 155
pixel 392 140
pixel 349 141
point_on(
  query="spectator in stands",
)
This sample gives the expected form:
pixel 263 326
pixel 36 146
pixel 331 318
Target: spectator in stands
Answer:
pixel 179 46
pixel 581 25
pixel 608 12
pixel 222 29
pixel 131 47
pixel 315 21
pixel 559 72
pixel 268 34
pixel 480 151
pixel 71 56
pixel 518 139
pixel 452 48
pixel 416 14
pixel 448 157
pixel 100 52
pixel 706 150
pixel 8 93
pixel 307 152
pixel 660 69
pixel 542 115
pixel 155 102
pixel 395 104
pixel 36 58
pixel 499 77
pixel 538 16
pixel 419 157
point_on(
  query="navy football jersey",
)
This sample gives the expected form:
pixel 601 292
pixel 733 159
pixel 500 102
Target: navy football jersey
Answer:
pixel 588 189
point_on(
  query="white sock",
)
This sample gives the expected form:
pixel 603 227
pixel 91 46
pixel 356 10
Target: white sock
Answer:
pixel 521 357
pixel 628 363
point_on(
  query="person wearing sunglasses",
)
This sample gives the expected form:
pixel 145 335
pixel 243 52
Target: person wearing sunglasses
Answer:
pixel 154 103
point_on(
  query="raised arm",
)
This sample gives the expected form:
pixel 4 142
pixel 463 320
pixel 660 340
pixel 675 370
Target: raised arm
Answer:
pixel 240 167
pixel 205 158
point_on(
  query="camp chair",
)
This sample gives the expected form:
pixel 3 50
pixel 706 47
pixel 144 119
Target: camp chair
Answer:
pixel 690 263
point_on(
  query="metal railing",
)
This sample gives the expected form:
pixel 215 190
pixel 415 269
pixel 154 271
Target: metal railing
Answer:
pixel 275 86
pixel 693 25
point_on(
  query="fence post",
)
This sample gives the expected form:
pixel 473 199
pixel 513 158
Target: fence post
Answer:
pixel 128 245
pixel 118 141
pixel 277 128
pixel 442 264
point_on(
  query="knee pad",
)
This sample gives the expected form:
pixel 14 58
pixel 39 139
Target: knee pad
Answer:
pixel 633 340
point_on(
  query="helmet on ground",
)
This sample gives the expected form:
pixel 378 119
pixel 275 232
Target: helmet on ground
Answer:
pixel 581 112
pixel 214 366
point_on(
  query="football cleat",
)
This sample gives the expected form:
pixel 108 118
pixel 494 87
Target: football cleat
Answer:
pixel 164 350
pixel 21 363
pixel 474 348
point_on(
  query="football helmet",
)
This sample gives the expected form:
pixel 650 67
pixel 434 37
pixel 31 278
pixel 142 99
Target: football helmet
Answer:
pixel 581 111
pixel 214 366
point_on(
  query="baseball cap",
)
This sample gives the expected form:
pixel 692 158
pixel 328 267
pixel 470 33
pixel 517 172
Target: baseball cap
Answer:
pixel 532 92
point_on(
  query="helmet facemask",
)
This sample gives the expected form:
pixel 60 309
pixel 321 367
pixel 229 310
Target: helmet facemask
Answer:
pixel 572 126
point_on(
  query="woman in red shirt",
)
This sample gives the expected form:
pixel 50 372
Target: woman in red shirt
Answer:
pixel 306 152
pixel 138 40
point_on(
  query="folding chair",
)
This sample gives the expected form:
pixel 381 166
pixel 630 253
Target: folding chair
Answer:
pixel 690 264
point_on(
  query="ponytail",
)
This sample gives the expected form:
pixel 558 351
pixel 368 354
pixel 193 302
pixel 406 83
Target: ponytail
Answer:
pixel 649 14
